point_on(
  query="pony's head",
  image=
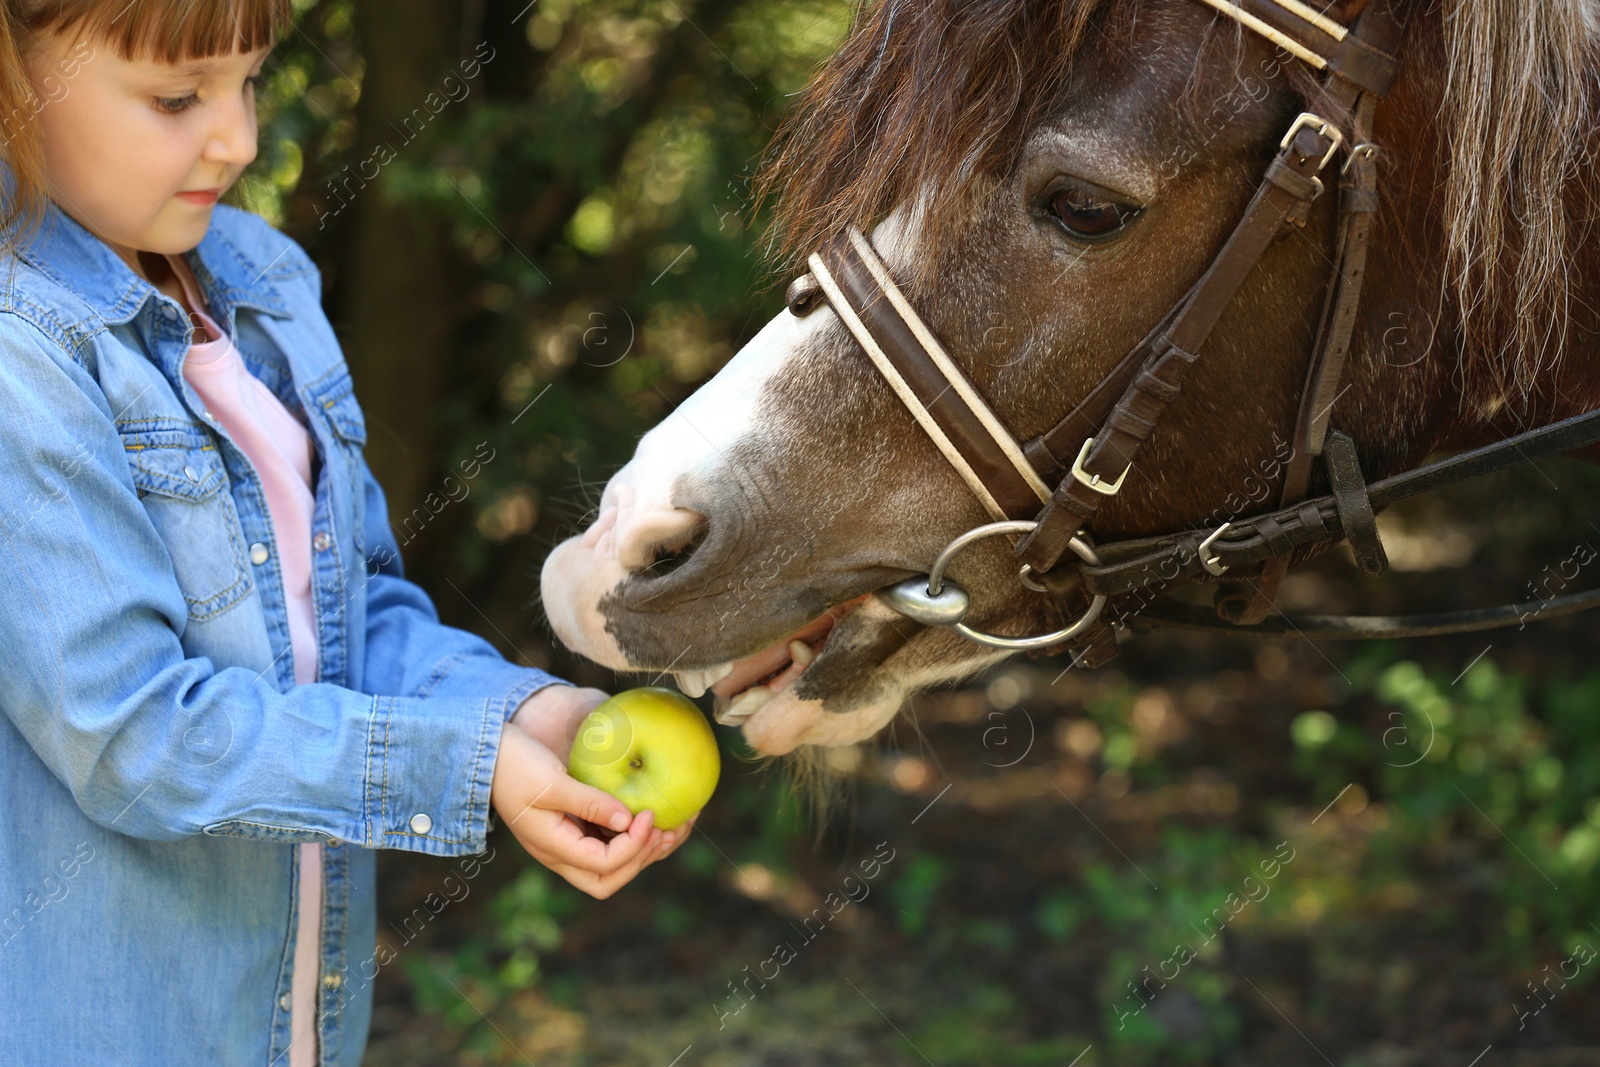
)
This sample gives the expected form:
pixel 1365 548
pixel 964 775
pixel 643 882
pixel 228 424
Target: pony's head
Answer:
pixel 1045 181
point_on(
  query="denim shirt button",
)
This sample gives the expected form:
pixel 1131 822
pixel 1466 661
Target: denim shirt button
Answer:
pixel 321 541
pixel 188 472
pixel 258 553
pixel 169 311
pixel 420 823
pixel 332 980
pixel 285 1003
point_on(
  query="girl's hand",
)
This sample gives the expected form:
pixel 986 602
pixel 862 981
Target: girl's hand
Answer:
pixel 548 811
pixel 553 714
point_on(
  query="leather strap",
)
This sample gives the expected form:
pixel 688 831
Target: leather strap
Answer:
pixel 862 290
pixel 1175 614
pixel 1365 61
pixel 1052 452
pixel 1155 563
pixel 1358 200
pixel 1291 183
pixel 1356 519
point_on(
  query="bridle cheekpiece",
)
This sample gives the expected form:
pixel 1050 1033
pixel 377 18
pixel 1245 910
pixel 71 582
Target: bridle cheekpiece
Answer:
pixel 1088 454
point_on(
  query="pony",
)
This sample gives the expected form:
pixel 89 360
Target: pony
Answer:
pixel 1045 179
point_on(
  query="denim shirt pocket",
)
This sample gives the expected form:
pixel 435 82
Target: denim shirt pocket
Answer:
pixel 333 397
pixel 181 481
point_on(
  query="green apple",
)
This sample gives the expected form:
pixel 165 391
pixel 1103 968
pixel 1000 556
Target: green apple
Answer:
pixel 649 748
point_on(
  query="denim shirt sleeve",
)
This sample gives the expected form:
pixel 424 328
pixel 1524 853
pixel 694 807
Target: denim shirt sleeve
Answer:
pixel 97 681
pixel 409 652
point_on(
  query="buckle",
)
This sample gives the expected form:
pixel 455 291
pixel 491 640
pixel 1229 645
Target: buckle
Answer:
pixel 1093 480
pixel 1364 150
pixel 1208 558
pixel 1323 128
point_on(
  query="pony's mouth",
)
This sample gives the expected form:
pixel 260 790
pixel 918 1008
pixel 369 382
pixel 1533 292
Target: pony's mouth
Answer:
pixel 741 688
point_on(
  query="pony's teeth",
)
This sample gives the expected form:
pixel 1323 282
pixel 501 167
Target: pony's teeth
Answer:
pixel 695 683
pixel 801 653
pixel 692 683
pixel 744 705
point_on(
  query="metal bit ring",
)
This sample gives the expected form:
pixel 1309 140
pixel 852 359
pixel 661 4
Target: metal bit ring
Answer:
pixel 918 598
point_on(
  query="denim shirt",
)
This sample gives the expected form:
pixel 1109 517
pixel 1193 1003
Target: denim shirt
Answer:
pixel 157 761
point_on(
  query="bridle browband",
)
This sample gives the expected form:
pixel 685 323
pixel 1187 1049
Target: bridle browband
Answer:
pixel 1089 453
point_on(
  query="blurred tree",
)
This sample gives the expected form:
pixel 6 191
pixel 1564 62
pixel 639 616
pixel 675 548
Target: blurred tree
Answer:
pixel 399 281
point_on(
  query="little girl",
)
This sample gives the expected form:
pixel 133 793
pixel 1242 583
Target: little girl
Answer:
pixel 220 692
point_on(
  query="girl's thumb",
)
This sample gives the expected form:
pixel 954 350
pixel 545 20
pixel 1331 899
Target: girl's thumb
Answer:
pixel 596 806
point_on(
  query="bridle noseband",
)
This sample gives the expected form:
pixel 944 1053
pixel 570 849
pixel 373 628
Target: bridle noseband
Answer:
pixel 1089 453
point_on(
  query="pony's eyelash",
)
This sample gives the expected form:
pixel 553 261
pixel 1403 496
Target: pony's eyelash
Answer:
pixel 177 105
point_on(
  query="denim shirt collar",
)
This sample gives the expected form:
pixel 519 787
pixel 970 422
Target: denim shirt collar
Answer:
pixel 228 275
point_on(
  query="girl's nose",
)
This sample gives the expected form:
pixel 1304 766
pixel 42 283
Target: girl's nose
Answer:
pixel 232 139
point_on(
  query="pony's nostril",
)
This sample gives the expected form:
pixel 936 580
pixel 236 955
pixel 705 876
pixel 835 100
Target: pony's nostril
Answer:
pixel 659 541
pixel 670 555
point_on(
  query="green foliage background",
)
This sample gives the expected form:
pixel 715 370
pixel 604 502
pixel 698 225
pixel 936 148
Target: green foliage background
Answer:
pixel 556 259
pixel 587 201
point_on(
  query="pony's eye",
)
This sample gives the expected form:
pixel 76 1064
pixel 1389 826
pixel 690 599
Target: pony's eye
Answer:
pixel 1089 217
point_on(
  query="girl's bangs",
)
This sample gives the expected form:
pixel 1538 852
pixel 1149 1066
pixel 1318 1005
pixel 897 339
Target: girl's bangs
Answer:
pixel 170 31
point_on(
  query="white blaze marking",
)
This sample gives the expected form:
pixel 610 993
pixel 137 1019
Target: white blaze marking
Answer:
pixel 699 436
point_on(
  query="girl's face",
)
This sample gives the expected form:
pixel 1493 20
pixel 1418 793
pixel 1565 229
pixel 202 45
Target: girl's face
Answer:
pixel 138 151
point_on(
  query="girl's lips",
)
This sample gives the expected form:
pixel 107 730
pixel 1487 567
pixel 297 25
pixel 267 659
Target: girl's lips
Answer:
pixel 201 196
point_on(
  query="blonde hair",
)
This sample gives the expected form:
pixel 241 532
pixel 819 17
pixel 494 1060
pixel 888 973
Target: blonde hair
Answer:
pixel 161 31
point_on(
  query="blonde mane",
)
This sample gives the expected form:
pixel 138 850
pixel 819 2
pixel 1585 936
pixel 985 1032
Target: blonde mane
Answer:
pixel 1518 112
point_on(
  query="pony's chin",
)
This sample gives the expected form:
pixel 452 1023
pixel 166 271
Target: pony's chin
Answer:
pixel 838 680
pixel 813 686
pixel 787 721
pixel 790 719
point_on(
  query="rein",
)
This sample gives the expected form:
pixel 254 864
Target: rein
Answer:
pixel 1089 452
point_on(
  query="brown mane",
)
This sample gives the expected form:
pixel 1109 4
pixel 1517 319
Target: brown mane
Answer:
pixel 938 95
pixel 934 94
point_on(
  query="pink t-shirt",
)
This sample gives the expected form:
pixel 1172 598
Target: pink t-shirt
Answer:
pixel 280 448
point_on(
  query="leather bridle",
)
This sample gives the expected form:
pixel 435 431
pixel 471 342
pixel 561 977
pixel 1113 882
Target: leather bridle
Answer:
pixel 1089 452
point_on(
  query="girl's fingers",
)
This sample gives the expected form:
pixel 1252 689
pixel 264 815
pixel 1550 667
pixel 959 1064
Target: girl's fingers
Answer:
pixel 601 886
pixel 567 794
pixel 565 842
pixel 676 836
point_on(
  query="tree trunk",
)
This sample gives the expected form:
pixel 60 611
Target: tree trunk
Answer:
pixel 396 294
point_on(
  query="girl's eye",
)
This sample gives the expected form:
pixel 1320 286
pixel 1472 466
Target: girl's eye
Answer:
pixel 175 105
pixel 1089 217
